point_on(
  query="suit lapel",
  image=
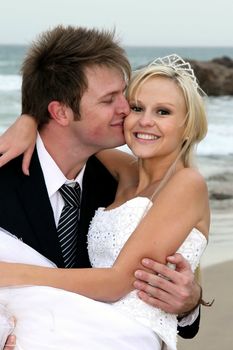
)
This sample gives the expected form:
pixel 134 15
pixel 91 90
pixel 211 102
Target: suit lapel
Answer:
pixel 34 198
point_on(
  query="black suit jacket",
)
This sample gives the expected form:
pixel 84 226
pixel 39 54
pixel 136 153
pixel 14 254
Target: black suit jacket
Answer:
pixel 25 210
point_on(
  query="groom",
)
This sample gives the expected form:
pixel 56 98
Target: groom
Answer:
pixel 73 84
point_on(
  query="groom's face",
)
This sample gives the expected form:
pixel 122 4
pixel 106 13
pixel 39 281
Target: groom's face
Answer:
pixel 103 108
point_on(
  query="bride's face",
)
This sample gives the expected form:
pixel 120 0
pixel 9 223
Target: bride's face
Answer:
pixel 155 125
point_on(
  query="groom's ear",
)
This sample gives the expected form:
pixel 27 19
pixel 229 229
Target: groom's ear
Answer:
pixel 60 113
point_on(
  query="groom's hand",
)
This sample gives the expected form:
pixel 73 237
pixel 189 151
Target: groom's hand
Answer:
pixel 174 291
pixel 10 344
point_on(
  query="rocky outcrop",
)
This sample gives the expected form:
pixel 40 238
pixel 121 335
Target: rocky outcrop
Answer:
pixel 215 77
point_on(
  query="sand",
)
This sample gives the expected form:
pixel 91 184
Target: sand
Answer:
pixel 216 328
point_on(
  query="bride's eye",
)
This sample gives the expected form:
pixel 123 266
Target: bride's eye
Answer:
pixel 135 108
pixel 162 111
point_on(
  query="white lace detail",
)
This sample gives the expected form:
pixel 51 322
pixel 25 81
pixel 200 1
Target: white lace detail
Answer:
pixel 109 230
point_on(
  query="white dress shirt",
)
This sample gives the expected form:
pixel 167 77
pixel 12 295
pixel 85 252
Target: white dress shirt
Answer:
pixel 54 178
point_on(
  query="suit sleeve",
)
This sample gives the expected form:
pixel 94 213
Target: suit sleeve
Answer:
pixel 190 331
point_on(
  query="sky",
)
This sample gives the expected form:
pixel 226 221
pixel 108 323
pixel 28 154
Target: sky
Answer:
pixel 137 22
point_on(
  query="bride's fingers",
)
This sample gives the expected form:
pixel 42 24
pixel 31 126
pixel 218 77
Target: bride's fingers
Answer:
pixel 8 155
pixel 27 159
pixel 11 343
pixel 10 151
pixel 4 146
pixel 4 158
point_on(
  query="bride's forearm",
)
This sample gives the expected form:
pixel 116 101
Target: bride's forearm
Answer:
pixel 18 139
pixel 103 284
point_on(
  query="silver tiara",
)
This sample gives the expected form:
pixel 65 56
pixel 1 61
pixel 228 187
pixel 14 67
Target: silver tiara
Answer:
pixel 179 65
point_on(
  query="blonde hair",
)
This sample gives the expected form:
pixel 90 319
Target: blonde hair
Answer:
pixel 195 122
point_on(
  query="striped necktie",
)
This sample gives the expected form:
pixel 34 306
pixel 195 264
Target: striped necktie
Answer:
pixel 68 223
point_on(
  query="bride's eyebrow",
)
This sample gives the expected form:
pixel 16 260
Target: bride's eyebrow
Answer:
pixel 165 103
pixel 158 103
pixel 135 101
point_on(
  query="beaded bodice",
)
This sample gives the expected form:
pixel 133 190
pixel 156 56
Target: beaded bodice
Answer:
pixel 108 232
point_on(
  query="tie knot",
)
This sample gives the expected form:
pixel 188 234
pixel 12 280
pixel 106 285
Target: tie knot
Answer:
pixel 71 194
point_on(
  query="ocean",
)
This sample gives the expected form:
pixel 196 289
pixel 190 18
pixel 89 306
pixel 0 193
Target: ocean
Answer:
pixel 219 140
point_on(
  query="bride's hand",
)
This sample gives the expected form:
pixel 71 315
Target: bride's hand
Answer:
pixel 10 343
pixel 19 138
pixel 9 322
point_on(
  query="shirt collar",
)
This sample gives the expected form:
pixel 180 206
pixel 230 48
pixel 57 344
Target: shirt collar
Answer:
pixel 54 177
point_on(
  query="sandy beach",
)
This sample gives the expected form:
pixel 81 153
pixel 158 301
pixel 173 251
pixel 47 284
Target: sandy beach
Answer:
pixel 216 322
pixel 216 328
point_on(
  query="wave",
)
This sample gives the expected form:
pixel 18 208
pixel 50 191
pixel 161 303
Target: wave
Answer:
pixel 10 82
pixel 217 141
pixel 219 110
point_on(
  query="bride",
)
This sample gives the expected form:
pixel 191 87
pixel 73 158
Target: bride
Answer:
pixel 164 211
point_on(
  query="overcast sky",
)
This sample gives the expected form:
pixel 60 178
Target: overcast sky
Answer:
pixel 138 22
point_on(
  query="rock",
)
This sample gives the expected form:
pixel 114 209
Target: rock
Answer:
pixel 215 77
pixel 220 196
pixel 225 61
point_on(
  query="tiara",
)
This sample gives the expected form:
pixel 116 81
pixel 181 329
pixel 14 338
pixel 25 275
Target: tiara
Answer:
pixel 179 65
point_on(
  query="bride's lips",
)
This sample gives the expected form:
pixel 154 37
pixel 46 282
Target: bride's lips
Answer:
pixel 146 136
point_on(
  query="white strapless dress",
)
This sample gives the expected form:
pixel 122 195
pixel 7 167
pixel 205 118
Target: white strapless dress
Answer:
pixel 50 318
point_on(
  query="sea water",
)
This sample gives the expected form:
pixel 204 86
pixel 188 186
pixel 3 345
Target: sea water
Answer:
pixel 219 140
